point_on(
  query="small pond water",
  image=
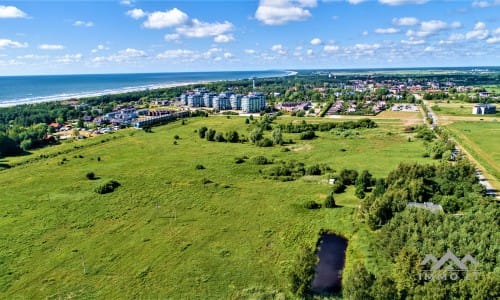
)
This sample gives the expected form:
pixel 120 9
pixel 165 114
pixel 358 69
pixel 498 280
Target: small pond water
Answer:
pixel 331 254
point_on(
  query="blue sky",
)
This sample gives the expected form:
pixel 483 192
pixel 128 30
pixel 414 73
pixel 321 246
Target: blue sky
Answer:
pixel 115 36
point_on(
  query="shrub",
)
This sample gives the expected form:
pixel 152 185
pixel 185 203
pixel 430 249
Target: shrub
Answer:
pixel 232 136
pixel 206 181
pixel 330 202
pixel 176 137
pixel 312 205
pixel 199 167
pixel 239 160
pixel 259 160
pixel 265 143
pixel 219 137
pixel 338 187
pixel 210 134
pixel 90 175
pixel 202 131
pixel 108 187
pixel 308 135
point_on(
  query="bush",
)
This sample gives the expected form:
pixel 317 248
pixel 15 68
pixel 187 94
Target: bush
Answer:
pixel 232 136
pixel 202 131
pixel 90 176
pixel 259 160
pixel 330 202
pixel 312 205
pixel 265 143
pixel 176 137
pixel 108 187
pixel 338 187
pixel 308 135
pixel 199 167
pixel 219 137
pixel 239 160
pixel 210 134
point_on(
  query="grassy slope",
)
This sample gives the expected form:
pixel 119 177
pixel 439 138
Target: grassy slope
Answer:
pixel 165 234
pixel 481 140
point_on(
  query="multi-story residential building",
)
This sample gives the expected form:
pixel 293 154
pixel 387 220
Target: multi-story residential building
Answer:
pixel 235 100
pixel 208 99
pixel 195 100
pixel 222 102
pixel 254 102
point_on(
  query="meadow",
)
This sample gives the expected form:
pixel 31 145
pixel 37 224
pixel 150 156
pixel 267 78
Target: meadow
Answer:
pixel 458 109
pixel 481 140
pixel 172 230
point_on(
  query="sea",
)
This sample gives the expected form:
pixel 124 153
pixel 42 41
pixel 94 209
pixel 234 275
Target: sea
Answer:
pixel 16 90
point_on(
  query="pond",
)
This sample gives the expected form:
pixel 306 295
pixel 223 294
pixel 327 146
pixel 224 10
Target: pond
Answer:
pixel 331 254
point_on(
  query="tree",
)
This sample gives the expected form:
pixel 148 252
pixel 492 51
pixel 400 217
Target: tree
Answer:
pixel 202 131
pixel 357 284
pixel 210 134
pixel 379 189
pixel 80 124
pixel 360 190
pixel 330 201
pixel 277 136
pixel 219 137
pixel 255 135
pixel 302 272
pixel 232 136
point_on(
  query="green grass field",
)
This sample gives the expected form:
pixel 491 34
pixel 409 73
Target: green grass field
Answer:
pixel 460 109
pixel 164 233
pixel 481 140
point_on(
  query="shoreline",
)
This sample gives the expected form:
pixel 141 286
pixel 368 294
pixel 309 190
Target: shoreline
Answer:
pixel 69 96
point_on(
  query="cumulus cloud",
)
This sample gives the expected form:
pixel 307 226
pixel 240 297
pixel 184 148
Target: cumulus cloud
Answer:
pixel 164 19
pixel 479 32
pixel 199 29
pixel 279 49
pixel 279 12
pixel 331 48
pixel 185 55
pixel 431 27
pixel 99 48
pixel 495 38
pixel 485 4
pixel 126 55
pixel 310 52
pixel 250 51
pixel 83 24
pixel 6 43
pixel 223 38
pixel 50 47
pixel 127 2
pixel 402 2
pixel 386 30
pixel 11 12
pixel 136 13
pixel 356 1
pixel 228 55
pixel 69 58
pixel 405 21
pixel 172 37
pixel 316 41
pixel 412 41
pixel 175 54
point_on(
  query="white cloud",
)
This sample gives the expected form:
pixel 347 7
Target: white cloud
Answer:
pixel 485 4
pixel 198 29
pixel 386 30
pixel 402 2
pixel 136 13
pixel 279 49
pixel 310 52
pixel 365 33
pixel 431 27
pixel 172 37
pixel 6 43
pixel 479 32
pixel 456 24
pixel 176 54
pixel 69 58
pixel 331 48
pixel 316 41
pixel 279 12
pixel 365 47
pixel 412 41
pixel 99 47
pixel 126 55
pixel 356 1
pixel 127 2
pixel 83 24
pixel 405 21
pixel 50 47
pixel 223 38
pixel 11 12
pixel 32 57
pixel 250 51
pixel 164 19
pixel 228 55
pixel 493 40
